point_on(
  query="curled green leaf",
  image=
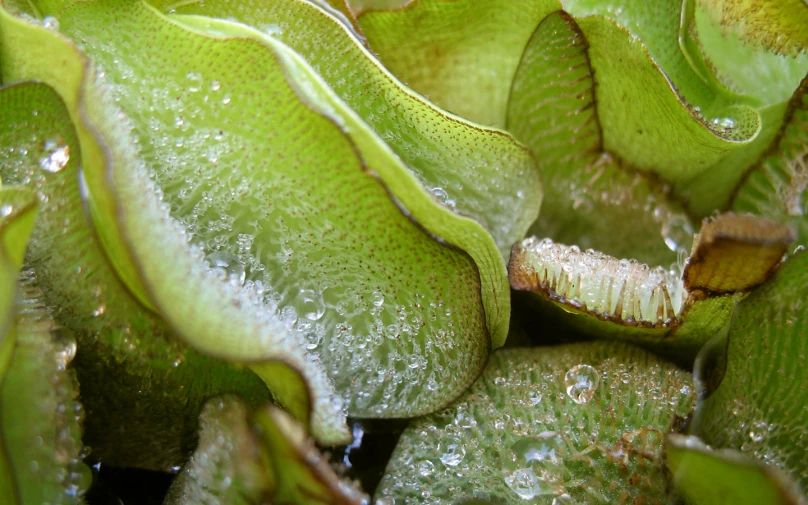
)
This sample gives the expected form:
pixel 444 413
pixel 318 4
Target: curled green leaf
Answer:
pixel 18 209
pixel 40 413
pixel 134 372
pixel 674 311
pixel 250 457
pixel 776 187
pixel 472 170
pixel 704 476
pixel 228 466
pixel 591 199
pixel 779 26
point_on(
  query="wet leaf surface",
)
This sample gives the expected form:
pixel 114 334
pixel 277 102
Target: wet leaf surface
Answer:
pixel 758 408
pixel 576 423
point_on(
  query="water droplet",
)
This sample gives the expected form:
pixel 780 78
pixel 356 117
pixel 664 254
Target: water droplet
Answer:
pixel 425 468
pixel 5 209
pixel 311 304
pixel 542 448
pixel 377 298
pixel 215 85
pixel 524 483
pixel 195 81
pixel 443 196
pixel 56 157
pixel 454 453
pixel 229 264
pixel 51 23
pixel 314 340
pixel 288 315
pixel 758 431
pixel 564 499
pixel 534 397
pixel 226 100
pixel 581 381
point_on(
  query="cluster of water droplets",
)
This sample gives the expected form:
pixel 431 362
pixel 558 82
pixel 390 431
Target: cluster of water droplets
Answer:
pixel 260 229
pixel 556 426
pixel 724 126
pixel 590 280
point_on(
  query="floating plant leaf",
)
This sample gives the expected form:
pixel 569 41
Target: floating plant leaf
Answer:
pixel 475 171
pixel 759 406
pixel 672 311
pixel 251 336
pixel 228 466
pixel 762 76
pixel 725 477
pixel 776 187
pixel 302 474
pixel 17 213
pixel 589 195
pixel 436 48
pixel 688 141
pixel 779 26
pixel 134 373
pixel 253 457
pixel 581 423
pixel 367 262
pixel 40 415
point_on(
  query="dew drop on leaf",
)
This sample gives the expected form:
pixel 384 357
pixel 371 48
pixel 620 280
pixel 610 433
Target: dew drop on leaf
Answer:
pixel 229 264
pixel 56 156
pixel 311 304
pixel 524 483
pixel 426 468
pixel 454 453
pixel 581 381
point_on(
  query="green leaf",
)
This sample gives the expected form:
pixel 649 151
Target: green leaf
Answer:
pixel 228 466
pixel 704 476
pixel 261 339
pixel 591 199
pixel 633 49
pixel 302 474
pixel 474 171
pixel 758 407
pixel 18 210
pixel 257 456
pixel 134 372
pixel 776 187
pixel 778 26
pixel 719 53
pixel 674 311
pixel 40 414
pixel 360 256
pixel 436 47
pixel 578 423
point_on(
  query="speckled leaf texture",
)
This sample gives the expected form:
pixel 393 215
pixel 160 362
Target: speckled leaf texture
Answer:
pixel 670 96
pixel 295 276
pixel 132 368
pixel 582 423
pixel 777 186
pixel 40 416
pixel 759 406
